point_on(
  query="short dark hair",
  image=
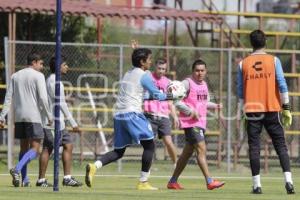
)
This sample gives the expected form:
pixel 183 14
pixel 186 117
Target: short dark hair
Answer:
pixel 258 39
pixel 198 62
pixel 138 55
pixel 52 63
pixel 160 61
pixel 33 57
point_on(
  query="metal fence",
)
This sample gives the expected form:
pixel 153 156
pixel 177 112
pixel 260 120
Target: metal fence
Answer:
pixel 91 87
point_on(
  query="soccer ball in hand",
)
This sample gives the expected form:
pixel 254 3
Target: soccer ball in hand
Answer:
pixel 177 89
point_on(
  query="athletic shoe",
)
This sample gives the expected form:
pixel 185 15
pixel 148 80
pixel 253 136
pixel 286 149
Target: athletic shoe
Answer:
pixel 26 184
pixel 174 186
pixel 215 184
pixel 145 186
pixel 289 188
pixel 90 171
pixel 43 184
pixel 15 176
pixel 71 182
pixel 256 190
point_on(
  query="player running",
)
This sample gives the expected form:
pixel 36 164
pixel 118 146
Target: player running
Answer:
pixel 130 124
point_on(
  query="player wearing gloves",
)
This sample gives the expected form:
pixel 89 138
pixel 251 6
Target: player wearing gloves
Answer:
pixel 263 93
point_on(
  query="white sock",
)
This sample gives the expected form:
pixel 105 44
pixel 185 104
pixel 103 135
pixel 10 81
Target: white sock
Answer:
pixel 41 180
pixel 144 176
pixel 98 164
pixel 67 177
pixel 288 177
pixel 256 181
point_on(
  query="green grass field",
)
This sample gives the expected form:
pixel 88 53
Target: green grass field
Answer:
pixel 110 184
pixel 109 188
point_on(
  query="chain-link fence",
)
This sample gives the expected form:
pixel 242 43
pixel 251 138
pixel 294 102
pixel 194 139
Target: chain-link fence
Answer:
pixel 91 87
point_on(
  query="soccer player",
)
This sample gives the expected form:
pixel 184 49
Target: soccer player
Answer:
pixel 263 92
pixel 27 89
pixel 66 138
pixel 192 117
pixel 157 112
pixel 130 124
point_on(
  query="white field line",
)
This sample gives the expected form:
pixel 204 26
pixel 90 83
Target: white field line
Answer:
pixel 155 176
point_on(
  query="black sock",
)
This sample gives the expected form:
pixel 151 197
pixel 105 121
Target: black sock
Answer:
pixel 148 153
pixel 112 156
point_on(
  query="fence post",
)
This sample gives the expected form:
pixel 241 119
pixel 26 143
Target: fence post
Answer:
pixel 121 63
pixel 10 135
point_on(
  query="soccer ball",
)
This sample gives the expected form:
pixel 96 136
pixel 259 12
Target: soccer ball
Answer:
pixel 177 89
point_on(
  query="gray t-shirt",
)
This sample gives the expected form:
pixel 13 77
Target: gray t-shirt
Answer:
pixel 64 110
pixel 27 90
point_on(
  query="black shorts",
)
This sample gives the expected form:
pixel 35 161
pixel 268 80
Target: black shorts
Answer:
pixel 270 121
pixel 194 135
pixel 66 138
pixel 28 130
pixel 161 126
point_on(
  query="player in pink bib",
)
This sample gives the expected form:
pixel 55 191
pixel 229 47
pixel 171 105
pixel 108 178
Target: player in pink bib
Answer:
pixel 157 112
pixel 193 110
pixel 160 108
pixel 196 99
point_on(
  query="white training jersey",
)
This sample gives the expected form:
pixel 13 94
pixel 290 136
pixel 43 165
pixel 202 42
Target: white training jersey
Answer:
pixel 131 91
pixel 27 90
pixel 64 110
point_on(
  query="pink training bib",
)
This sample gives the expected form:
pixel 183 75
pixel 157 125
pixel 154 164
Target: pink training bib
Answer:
pixel 158 107
pixel 196 100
